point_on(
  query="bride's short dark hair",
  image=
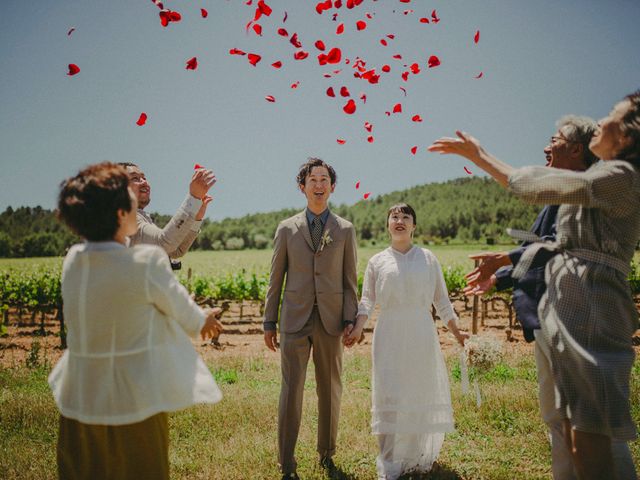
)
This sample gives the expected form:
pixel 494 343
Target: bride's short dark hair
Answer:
pixel 402 208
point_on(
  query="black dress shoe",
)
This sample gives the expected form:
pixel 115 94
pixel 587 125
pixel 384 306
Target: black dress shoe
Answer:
pixel 327 464
pixel 290 476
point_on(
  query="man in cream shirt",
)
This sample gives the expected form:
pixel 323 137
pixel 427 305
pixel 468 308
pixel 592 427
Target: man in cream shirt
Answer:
pixel 183 228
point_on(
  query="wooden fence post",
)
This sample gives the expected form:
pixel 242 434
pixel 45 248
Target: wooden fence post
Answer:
pixel 474 324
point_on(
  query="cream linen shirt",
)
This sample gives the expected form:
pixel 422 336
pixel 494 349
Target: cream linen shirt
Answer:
pixel 129 322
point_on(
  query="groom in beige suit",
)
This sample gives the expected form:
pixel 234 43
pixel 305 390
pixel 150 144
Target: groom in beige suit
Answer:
pixel 314 258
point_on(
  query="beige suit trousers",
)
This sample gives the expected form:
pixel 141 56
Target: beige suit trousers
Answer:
pixel 295 349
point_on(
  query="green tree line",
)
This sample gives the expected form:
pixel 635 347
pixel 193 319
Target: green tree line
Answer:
pixel 462 210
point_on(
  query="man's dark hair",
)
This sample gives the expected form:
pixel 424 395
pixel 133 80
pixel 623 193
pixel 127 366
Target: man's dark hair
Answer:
pixel 402 208
pixel 306 168
pixel 128 164
pixel 631 128
pixel 89 202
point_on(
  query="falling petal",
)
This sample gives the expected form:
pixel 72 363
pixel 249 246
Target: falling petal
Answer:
pixel 388 114
pixel 350 107
pixel 320 45
pixel 405 1
pixel 479 75
pixel 404 90
pixel 366 195
pixel 361 25
pixel 295 84
pixel 192 63
pixel 363 97
pixel 197 166
pixel 405 76
pixel 434 17
pixel 468 171
pixel 270 98
pixel 397 108
pixel 204 13
pixel 73 69
pixel 416 118
pixel 71 30
pixel 300 55
pixel 285 17
pixel 341 141
pixel 414 150
pixel 257 28
pixel 476 37
pixel 337 3
pixel 322 59
pixel 386 68
pixel 357 185
pixel 330 92
pixel 334 56
pixel 415 68
pixel 264 8
pixel 433 61
pixel 397 56
pixel 424 20
pixel 235 51
pixel 294 41
pixel 283 32
pixel 368 127
pixel 142 119
pixel 391 36
pixel 383 42
pixel 340 29
pixel 407 12
pixel 344 91
pixel 277 64
pixel 254 58
pixel 335 17
pixel 370 139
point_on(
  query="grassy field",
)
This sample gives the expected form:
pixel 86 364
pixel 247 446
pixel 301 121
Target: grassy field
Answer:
pixel 236 439
pixel 214 263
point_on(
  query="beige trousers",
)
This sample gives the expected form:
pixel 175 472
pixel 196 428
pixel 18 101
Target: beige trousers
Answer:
pixel 295 349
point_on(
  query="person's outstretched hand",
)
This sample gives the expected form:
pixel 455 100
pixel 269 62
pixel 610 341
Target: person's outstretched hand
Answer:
pixel 479 288
pixel 206 200
pixel 212 327
pixel 465 145
pixel 490 262
pixel 201 181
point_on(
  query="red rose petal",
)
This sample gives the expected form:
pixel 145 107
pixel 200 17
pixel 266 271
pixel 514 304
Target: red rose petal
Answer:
pixel 330 92
pixel 366 195
pixel 334 56
pixel 415 68
pixel 405 76
pixel 361 25
pixel 235 51
pixel 204 13
pixel 370 139
pixel 277 64
pixel 142 119
pixel 391 36
pixel 294 41
pixel 357 185
pixel 476 37
pixel 350 107
pixel 71 30
pixel 363 97
pixel 320 45
pixel 468 171
pixel 174 16
pixel 434 17
pixel 397 108
pixel 270 98
pixel 257 28
pixel 197 166
pixel 340 29
pixel 414 150
pixel 404 90
pixel 341 141
pixel 254 58
pixel 368 15
pixel 368 127
pixel 337 3
pixel 344 91
pixel 383 42
pixel 388 114
pixel 397 56
pixel 405 1
pixel 158 4
pixel 479 75
pixel 192 63
pixel 433 61
pixel 386 68
pixel 73 69
pixel 283 32
pixel 285 17
pixel 322 59
pixel 407 12
pixel 264 8
pixel 424 20
pixel 416 118
pixel 294 85
pixel 335 16
pixel 300 55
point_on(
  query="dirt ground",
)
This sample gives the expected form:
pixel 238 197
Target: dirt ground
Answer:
pixel 243 335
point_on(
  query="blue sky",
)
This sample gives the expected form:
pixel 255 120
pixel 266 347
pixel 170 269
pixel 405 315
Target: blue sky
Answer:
pixel 540 59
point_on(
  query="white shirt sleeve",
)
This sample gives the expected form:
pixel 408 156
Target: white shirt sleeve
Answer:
pixel 441 297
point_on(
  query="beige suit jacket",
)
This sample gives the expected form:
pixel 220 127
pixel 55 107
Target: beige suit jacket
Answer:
pixel 328 276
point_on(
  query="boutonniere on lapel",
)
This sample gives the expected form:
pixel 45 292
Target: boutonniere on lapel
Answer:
pixel 325 240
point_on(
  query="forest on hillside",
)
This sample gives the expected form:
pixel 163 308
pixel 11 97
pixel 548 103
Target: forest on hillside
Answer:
pixel 465 210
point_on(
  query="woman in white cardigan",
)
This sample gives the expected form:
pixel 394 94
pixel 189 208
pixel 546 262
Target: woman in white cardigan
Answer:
pixel 130 359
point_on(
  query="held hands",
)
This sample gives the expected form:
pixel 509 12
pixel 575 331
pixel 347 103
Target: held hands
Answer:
pixel 201 181
pixel 353 334
pixel 212 327
pixel 465 146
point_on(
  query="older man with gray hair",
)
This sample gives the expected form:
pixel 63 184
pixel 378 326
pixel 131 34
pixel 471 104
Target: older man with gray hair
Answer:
pixel 568 149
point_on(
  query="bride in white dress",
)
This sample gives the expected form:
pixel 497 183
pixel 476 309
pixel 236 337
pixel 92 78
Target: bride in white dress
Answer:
pixel 411 408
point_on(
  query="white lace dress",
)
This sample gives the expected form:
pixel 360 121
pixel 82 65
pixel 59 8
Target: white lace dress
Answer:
pixel 411 399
